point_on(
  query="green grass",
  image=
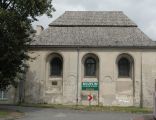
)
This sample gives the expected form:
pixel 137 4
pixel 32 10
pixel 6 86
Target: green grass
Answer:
pixel 3 113
pixel 130 109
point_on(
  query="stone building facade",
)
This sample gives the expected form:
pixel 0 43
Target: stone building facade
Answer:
pixel 86 53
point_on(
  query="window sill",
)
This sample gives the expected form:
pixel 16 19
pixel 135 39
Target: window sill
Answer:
pixel 4 99
pixel 55 76
pixel 54 92
pixel 90 76
pixel 124 77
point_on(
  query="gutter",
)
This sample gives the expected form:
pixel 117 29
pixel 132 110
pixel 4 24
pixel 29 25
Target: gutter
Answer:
pixel 88 46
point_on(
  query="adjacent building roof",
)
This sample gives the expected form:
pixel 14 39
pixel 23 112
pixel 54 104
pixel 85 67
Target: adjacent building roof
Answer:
pixel 93 29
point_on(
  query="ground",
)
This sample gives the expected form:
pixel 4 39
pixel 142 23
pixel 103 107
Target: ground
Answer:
pixel 51 114
pixel 34 113
pixel 9 114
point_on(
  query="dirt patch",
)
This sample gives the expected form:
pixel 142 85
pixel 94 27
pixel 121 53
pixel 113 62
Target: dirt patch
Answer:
pixel 145 117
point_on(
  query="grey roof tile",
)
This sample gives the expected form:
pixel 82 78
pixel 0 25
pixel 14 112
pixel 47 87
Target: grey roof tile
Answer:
pixel 93 29
pixel 90 18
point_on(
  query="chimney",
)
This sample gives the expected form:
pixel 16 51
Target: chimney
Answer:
pixel 39 29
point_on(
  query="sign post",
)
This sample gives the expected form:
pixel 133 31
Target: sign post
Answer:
pixel 90 86
pixel 90 97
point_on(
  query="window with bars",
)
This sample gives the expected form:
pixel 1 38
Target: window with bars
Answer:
pixel 124 67
pixel 56 67
pixel 90 67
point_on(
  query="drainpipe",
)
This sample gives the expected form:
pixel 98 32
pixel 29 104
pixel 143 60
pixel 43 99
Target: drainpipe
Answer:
pixel 77 94
pixel 141 85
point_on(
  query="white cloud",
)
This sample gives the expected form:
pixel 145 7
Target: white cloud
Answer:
pixel 142 12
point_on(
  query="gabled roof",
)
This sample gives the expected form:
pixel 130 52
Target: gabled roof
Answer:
pixel 93 29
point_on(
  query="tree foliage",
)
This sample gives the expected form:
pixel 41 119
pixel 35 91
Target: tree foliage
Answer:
pixel 16 17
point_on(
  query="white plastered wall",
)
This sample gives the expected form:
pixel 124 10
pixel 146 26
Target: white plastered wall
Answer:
pixel 112 90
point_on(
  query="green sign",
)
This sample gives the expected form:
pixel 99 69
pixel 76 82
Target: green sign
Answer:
pixel 90 85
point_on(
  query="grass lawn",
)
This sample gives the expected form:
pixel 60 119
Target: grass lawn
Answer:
pixel 3 113
pixel 130 109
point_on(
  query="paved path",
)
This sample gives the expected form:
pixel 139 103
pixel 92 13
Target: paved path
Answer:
pixel 63 114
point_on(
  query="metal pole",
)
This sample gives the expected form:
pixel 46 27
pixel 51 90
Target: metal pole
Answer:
pixel 155 85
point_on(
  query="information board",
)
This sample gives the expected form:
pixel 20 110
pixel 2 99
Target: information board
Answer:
pixel 90 86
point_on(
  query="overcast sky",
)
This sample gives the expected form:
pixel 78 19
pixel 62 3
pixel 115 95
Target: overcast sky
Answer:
pixel 142 12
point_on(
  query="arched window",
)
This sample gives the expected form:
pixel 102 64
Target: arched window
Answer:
pixel 124 67
pixel 90 67
pixel 56 67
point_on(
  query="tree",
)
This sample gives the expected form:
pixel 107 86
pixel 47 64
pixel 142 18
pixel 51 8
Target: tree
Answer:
pixel 16 17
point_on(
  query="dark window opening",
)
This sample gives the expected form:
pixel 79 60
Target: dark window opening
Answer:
pixel 90 67
pixel 124 67
pixel 56 67
pixel 54 82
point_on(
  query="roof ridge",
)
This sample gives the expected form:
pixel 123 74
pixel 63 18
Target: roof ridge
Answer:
pixel 59 25
pixel 94 11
